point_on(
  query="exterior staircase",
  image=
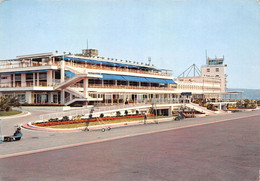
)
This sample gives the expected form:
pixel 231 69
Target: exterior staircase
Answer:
pixel 75 79
pixel 79 96
pixel 76 70
pixel 200 108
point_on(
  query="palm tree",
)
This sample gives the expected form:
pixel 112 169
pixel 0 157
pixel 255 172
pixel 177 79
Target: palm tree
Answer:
pixel 6 103
pixel 14 102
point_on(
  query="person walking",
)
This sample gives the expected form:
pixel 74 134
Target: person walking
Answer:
pixel 145 118
pixel 87 122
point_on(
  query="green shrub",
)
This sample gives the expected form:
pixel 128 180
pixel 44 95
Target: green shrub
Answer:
pixel 118 113
pixel 65 118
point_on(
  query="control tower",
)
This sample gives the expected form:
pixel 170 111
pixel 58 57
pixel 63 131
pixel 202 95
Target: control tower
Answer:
pixel 215 67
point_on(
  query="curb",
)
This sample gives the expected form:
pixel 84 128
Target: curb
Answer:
pixel 93 128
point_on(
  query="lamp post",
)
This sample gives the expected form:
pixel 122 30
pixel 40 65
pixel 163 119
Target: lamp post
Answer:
pixel 1 139
pixel 155 109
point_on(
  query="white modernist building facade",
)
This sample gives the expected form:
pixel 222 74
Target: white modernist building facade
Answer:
pixel 88 79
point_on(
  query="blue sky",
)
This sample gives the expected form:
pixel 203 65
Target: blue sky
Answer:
pixel 174 33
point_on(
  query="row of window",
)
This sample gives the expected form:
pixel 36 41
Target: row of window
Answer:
pixel 42 76
pixel 217 69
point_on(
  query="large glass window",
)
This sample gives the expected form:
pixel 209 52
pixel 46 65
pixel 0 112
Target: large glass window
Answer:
pixel 145 84
pixel 40 98
pixel 29 76
pixel 121 82
pixel 94 81
pixel 17 77
pixel 43 76
pixel 21 98
pixel 109 82
pixel 132 83
pixel 4 77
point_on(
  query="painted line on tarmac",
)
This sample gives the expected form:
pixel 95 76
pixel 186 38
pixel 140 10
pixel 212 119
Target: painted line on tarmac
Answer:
pixel 117 138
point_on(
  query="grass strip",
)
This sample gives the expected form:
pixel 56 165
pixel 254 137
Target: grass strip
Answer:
pixel 9 113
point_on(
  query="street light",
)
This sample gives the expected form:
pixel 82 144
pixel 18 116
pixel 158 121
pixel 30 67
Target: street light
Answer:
pixel 1 139
pixel 155 109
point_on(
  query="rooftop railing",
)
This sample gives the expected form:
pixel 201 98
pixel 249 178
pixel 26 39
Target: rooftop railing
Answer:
pixel 11 65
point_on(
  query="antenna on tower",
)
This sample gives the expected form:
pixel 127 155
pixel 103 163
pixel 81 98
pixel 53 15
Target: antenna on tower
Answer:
pixel 149 60
pixel 87 43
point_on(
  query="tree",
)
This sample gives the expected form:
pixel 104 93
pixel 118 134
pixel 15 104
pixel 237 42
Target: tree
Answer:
pixel 14 102
pixel 126 112
pixel 118 113
pixel 151 110
pixel 239 103
pixel 6 103
pixel 246 102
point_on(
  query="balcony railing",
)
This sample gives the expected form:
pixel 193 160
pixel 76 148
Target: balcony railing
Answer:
pixel 129 87
pixel 27 84
pixel 118 69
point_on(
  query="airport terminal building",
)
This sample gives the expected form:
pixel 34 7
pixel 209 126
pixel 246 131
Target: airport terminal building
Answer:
pixel 87 79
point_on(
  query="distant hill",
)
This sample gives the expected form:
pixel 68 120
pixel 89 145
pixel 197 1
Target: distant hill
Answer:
pixel 248 93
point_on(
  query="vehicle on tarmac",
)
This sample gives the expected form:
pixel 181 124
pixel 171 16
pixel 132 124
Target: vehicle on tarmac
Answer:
pixel 15 137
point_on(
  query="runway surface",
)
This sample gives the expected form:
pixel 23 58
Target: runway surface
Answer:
pixel 222 151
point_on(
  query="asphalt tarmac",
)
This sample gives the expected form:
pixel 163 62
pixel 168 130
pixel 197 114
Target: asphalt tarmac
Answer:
pixel 227 150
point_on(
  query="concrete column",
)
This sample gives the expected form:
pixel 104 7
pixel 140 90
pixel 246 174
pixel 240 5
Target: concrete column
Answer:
pixel 62 72
pixel 23 80
pixel 170 111
pixel 28 97
pixel 50 61
pixel 33 79
pixel 62 97
pixel 160 112
pixel 13 80
pixel 50 97
pixel 112 99
pixel 85 87
pixel 53 75
pixel 49 78
pixel 38 79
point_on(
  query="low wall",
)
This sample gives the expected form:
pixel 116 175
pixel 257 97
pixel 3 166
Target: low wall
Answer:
pixel 46 108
